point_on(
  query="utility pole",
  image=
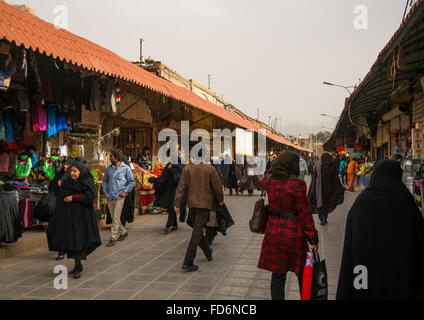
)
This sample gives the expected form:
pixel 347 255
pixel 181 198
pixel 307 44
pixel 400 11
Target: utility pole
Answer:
pixel 269 121
pixel 141 51
pixel 209 81
pixel 258 113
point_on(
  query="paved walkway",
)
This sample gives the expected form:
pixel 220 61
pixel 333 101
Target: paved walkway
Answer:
pixel 147 265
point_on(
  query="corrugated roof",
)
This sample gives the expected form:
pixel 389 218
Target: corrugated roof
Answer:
pixel 36 34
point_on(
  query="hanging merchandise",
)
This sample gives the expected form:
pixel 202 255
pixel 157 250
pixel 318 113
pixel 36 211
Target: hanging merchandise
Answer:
pixel 51 121
pixel 26 213
pixel 103 95
pixel 8 125
pixel 4 162
pixel 7 64
pixel 31 151
pixel 28 137
pixel 63 150
pixel 61 123
pixel 49 167
pixel 23 166
pixel 10 219
pixel 42 118
pixel 2 129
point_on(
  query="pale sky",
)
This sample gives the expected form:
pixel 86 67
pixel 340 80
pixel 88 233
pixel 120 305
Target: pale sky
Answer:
pixel 270 54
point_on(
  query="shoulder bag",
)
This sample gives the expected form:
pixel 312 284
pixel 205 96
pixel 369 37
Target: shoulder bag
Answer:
pixel 260 215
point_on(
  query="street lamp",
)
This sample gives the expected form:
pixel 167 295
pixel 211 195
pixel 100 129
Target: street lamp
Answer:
pixel 340 86
pixel 326 115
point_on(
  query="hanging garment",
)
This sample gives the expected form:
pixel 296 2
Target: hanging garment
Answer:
pixel 34 116
pixel 28 137
pixel 26 217
pixel 10 218
pixel 2 129
pixel 23 167
pixel 8 124
pixel 103 95
pixel 61 123
pixel 4 162
pixel 49 167
pixel 42 118
pixel 51 120
pixel 44 63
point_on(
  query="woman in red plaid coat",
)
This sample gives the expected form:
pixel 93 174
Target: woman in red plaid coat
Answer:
pixel 290 224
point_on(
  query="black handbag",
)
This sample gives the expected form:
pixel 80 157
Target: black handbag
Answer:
pixel 319 286
pixel 259 218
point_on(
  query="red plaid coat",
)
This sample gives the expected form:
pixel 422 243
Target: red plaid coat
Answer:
pixel 285 245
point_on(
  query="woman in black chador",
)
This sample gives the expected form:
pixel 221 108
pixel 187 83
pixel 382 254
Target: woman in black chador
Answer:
pixel 383 254
pixel 73 227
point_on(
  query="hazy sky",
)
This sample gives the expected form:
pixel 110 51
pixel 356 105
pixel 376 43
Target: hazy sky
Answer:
pixel 271 54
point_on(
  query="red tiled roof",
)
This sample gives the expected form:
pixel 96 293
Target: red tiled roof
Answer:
pixel 36 34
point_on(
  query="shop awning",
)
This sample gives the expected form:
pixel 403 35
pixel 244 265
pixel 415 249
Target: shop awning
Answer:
pixel 27 30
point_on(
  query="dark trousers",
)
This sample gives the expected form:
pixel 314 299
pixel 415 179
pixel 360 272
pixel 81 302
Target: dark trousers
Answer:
pixel 200 218
pixel 278 285
pixel 210 234
pixel 343 174
pixel 183 208
pixel 231 190
pixel 172 219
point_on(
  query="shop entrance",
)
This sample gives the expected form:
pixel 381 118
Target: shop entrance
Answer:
pixel 132 141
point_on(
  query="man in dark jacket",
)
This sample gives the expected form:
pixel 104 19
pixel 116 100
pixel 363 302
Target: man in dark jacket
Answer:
pixel 200 184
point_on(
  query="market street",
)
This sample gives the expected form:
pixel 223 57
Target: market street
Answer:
pixel 148 264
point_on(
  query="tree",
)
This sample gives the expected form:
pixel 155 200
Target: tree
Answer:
pixel 322 136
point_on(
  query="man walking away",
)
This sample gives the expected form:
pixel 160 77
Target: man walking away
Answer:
pixel 200 183
pixel 303 168
pixel 117 183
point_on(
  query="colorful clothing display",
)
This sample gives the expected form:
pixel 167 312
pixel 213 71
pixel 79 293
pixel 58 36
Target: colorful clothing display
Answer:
pixel 51 121
pixel 4 162
pixel 23 167
pixel 61 123
pixel 2 129
pixel 8 125
pixel 49 167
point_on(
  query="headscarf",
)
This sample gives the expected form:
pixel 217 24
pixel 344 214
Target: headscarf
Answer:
pixel 387 176
pixel 286 165
pixel 84 183
pixel 383 213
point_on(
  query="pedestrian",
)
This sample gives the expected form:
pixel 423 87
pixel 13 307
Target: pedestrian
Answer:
pixel 231 176
pixel 384 239
pixel 200 184
pixel 310 165
pixel 54 187
pixel 343 170
pixel 325 192
pixel 303 168
pixel 127 215
pixel 336 161
pixel 290 224
pixel 351 173
pixel 73 227
pixel 144 160
pixel 251 179
pixel 166 186
pixel 118 181
pixel 398 158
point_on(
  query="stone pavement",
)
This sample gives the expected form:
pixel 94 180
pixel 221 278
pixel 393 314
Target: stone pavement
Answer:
pixel 147 265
